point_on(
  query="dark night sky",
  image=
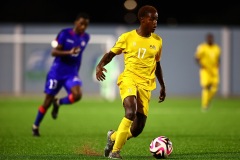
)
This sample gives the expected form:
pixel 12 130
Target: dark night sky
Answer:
pixel 113 11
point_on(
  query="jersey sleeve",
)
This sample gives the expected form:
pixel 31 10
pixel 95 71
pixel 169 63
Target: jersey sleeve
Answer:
pixel 159 54
pixel 199 51
pixel 87 37
pixel 200 55
pixel 119 45
pixel 159 47
pixel 61 38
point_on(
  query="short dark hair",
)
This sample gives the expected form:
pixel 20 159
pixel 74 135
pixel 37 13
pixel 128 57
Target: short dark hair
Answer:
pixel 82 15
pixel 144 10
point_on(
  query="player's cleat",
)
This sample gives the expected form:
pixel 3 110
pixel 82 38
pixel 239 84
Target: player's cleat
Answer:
pixel 109 146
pixel 35 132
pixel 55 109
pixel 205 108
pixel 115 155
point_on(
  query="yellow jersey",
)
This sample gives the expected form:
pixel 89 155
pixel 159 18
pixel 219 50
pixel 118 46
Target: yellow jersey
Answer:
pixel 140 53
pixel 208 55
pixel 140 56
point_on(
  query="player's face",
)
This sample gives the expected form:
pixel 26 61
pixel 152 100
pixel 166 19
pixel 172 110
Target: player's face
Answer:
pixel 210 39
pixel 151 21
pixel 81 25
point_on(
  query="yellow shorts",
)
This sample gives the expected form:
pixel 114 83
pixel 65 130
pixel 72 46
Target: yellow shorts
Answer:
pixel 129 87
pixel 208 79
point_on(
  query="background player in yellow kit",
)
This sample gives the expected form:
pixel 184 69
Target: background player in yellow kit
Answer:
pixel 208 58
pixel 142 52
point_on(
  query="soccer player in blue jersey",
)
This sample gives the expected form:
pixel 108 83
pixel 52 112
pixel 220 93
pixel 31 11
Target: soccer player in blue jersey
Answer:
pixel 67 49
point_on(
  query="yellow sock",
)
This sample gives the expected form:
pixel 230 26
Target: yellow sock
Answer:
pixel 205 98
pixel 129 134
pixel 113 136
pixel 122 134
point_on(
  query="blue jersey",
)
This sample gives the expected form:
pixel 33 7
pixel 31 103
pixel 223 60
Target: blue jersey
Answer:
pixel 70 64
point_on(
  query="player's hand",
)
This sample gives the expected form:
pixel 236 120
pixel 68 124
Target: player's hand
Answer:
pixel 202 67
pixel 99 73
pixel 75 50
pixel 162 95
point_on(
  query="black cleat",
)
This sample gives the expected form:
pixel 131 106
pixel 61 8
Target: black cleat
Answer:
pixel 35 132
pixel 55 109
pixel 109 146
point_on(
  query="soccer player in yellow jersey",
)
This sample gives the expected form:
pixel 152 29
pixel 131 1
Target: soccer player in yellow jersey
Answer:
pixel 142 52
pixel 208 57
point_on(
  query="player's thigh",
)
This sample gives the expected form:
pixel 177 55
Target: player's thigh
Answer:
pixel 205 79
pixel 216 77
pixel 52 85
pixel 73 84
pixel 215 81
pixel 143 99
pixel 127 87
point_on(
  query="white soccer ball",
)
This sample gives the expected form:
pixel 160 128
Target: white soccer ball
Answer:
pixel 161 147
pixel 54 43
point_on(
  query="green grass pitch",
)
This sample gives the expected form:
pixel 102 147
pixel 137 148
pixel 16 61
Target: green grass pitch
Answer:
pixel 80 130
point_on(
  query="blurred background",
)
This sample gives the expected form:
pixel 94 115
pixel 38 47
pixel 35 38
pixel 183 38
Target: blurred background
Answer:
pixel 120 11
pixel 28 27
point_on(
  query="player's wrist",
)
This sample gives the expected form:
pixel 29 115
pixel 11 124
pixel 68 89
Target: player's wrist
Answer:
pixel 163 86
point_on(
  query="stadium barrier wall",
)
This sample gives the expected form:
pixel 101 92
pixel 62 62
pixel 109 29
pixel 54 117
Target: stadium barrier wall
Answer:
pixel 25 57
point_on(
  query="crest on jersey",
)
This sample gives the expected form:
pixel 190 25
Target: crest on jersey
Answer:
pixel 83 43
pixel 153 47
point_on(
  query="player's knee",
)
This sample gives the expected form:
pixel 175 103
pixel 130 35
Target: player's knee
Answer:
pixel 77 97
pixel 130 108
pixel 130 114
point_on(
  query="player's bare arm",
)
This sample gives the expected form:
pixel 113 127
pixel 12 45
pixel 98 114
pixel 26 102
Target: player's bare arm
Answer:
pixel 159 76
pixel 100 67
pixel 198 61
pixel 58 51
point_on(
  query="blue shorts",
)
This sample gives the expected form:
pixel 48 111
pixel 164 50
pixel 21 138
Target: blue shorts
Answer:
pixel 54 84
